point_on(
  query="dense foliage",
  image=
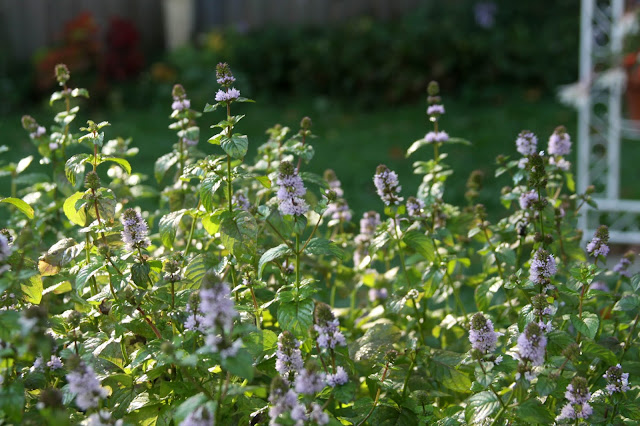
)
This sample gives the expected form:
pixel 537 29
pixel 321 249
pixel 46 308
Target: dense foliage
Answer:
pixel 251 295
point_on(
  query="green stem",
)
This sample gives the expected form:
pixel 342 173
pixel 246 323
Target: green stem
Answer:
pixel 503 408
pixel 193 226
pixel 284 240
pixel 377 399
pixel 229 184
pixel 491 385
pixel 405 386
pixel 297 263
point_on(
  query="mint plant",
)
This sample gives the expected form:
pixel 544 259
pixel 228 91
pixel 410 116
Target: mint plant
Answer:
pixel 249 294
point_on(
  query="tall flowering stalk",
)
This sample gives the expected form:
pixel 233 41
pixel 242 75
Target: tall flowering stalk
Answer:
pixel 291 191
pixel 135 232
pixel 577 395
pixel 288 357
pixel 531 349
pixel 84 383
pixel 599 244
pixel 387 185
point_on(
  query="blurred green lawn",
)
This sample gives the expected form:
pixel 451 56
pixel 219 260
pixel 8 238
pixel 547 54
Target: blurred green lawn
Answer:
pixel 350 140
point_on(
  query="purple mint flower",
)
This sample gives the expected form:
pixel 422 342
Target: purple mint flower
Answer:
pixel 339 378
pixel 560 163
pixel 327 327
pixel 543 267
pixel 481 334
pixel 435 109
pixel 527 199
pixel 241 201
pixel 415 207
pixel 282 399
pixel 317 415
pixel 289 358
pixel 201 416
pixel 369 222
pixel 598 245
pixel 339 212
pixel 532 344
pixel 216 307
pixel 622 267
pixel 180 104
pixel 291 191
pixel 85 384
pixel 485 13
pixel 40 131
pixel 559 142
pixel 578 395
pixel 224 77
pixel 309 381
pixel 135 230
pixel 53 146
pixel 432 137
pixel 387 185
pixel 55 363
pixel 617 380
pixel 334 184
pixel 527 143
pixel 229 95
pixel 378 294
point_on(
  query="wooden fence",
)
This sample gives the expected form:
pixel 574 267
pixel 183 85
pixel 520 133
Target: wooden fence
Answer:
pixel 27 25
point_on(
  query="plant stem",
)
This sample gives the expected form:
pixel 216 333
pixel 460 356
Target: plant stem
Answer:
pixel 491 386
pixel 297 263
pixel 377 399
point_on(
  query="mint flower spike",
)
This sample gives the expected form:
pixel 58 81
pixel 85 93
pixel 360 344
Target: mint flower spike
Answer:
pixel 577 394
pixel 310 381
pixel 224 77
pixel 617 380
pixel 135 230
pixel 288 357
pixel 180 101
pixel 543 267
pixel 527 143
pixel 598 246
pixel 84 383
pixel 481 334
pixel 387 185
pixel 5 252
pixel 532 345
pixel 284 400
pixel 327 326
pixel 291 191
pixel 559 142
pixel 201 416
pixel 622 267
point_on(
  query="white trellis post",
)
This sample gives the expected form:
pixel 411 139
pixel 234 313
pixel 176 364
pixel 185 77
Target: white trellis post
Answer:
pixel 600 124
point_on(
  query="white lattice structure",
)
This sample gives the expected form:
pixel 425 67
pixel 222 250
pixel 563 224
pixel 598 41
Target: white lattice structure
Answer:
pixel 600 123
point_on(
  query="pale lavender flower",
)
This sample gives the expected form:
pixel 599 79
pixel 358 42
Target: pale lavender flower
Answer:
pixel 53 146
pixel 543 267
pixel 435 109
pixel 201 416
pixel 85 384
pixel 180 104
pixel 369 222
pixel 102 418
pixel 39 132
pixel 600 285
pixel 229 95
pixel 527 199
pixel 309 381
pixel 559 142
pixel 38 364
pixel 560 163
pixel 481 334
pixel 440 136
pixel 230 351
pixel 598 245
pixel 291 191
pixel 135 230
pixel 415 207
pixel 224 77
pixel 217 307
pixel 241 201
pixel 578 396
pixel 532 344
pixel 282 399
pixel 339 378
pixel 288 357
pixel 617 380
pixel 339 212
pixel 194 320
pixel 55 363
pixel 317 415
pixel 387 185
pixel 327 326
pixel 226 80
pixel 527 143
pixel 378 294
pixel 5 249
pixel 522 163
pixel 334 184
pixel 299 414
pixel 484 13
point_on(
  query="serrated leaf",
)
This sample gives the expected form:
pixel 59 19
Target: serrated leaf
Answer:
pixel 74 167
pixel 272 254
pixel 20 205
pixel 480 406
pixel 208 187
pixel 321 246
pixel 163 164
pixel 77 217
pixel 240 365
pixel 444 371
pixel 264 180
pixel 630 302
pixel 592 350
pixel 85 273
pixel 588 325
pixel 421 244
pixel 169 226
pixel 239 233
pixel 119 161
pixel 533 411
pixel 32 289
pixel 296 317
pixel 23 164
pixel 236 146
pixel 375 342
